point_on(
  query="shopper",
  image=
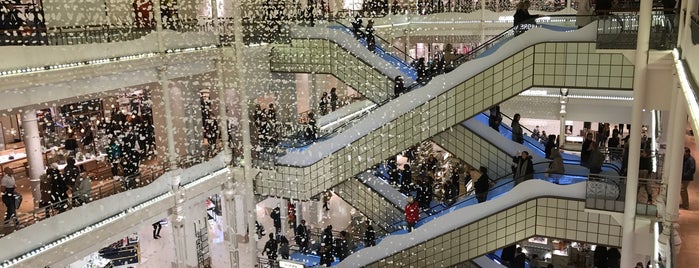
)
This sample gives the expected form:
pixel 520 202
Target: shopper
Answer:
pixel 482 183
pixel 277 219
pixel 405 179
pixel 495 118
pixel 83 190
pixel 688 169
pixel 520 259
pixel 302 237
pixel 556 167
pixel 522 18
pixel 271 247
pixel 284 247
pixel 71 172
pixel 71 144
pixel 114 155
pixel 333 99
pixel 369 235
pixel 9 196
pixel 595 159
pixel 586 150
pixel 398 86
pixel 550 144
pixel 59 188
pixel 412 213
pixel 323 104
pixel 157 226
pixel 342 246
pixel 517 134
pixel 524 169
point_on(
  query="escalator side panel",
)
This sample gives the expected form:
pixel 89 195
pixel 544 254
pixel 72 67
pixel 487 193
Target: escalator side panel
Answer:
pixel 555 217
pixel 474 150
pixel 369 203
pixel 324 56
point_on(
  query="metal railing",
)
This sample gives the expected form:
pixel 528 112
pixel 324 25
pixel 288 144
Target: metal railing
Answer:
pixel 618 28
pixel 102 190
pixel 605 192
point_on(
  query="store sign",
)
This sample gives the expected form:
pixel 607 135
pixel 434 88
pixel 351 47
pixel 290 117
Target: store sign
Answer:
pixel 290 264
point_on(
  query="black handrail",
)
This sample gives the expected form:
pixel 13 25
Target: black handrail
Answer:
pixel 403 53
pixel 469 196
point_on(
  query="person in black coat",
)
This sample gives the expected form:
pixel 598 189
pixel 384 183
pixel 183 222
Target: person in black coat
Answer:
pixel 482 185
pixel 326 246
pixel 398 86
pixel 59 188
pixel 550 144
pixel 520 259
pixel 302 236
pixel 271 247
pixel 586 150
pixel 524 169
pixel 277 219
pixel 495 118
pixel 405 179
pixel 523 17
pixel 341 247
pixel 369 235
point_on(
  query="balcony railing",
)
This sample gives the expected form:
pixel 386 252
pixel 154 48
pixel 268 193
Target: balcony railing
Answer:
pixel 608 193
pixel 618 29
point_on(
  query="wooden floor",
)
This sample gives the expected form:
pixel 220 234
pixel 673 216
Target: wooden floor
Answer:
pixel 689 219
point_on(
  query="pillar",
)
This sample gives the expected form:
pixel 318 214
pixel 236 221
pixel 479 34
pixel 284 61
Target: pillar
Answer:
pixel 229 218
pixel 35 159
pixel 562 129
pixel 675 157
pixel 407 42
pixel 284 205
pixel 247 181
pixel 299 212
pixel 639 96
pixel 222 117
pixel 162 120
pixel 187 219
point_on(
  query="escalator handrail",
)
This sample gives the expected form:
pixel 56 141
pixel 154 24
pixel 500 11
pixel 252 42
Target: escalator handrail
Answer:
pixel 487 44
pixel 570 161
pixel 469 196
pixel 403 53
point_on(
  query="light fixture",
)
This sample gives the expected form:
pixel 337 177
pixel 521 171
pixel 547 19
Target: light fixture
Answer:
pixel 564 92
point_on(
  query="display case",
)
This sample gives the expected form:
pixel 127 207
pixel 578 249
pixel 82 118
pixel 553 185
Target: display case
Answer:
pixel 122 252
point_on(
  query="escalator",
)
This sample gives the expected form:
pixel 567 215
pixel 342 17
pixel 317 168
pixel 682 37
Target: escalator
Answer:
pixel 370 203
pixel 446 101
pixel 534 208
pixel 479 124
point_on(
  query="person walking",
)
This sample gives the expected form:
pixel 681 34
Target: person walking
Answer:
pixel 688 169
pixel 517 134
pixel 9 196
pixel 524 168
pixel 302 236
pixel 398 86
pixel 271 247
pixel 157 226
pixel 412 213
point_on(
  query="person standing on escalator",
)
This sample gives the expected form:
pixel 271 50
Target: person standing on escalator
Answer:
pixel 524 169
pixel 522 19
pixel 398 87
pixel 494 119
pixel 517 134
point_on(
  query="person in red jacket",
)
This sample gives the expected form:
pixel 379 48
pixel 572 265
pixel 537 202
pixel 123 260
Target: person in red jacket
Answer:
pixel 412 213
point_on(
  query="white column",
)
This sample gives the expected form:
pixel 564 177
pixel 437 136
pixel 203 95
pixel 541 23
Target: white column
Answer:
pixel 35 159
pixel 284 205
pixel 230 234
pixel 562 129
pixel 171 156
pixel 313 93
pixel 222 112
pixel 158 25
pixel 675 157
pixel 299 212
pixel 639 96
pixel 177 221
pixel 248 175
